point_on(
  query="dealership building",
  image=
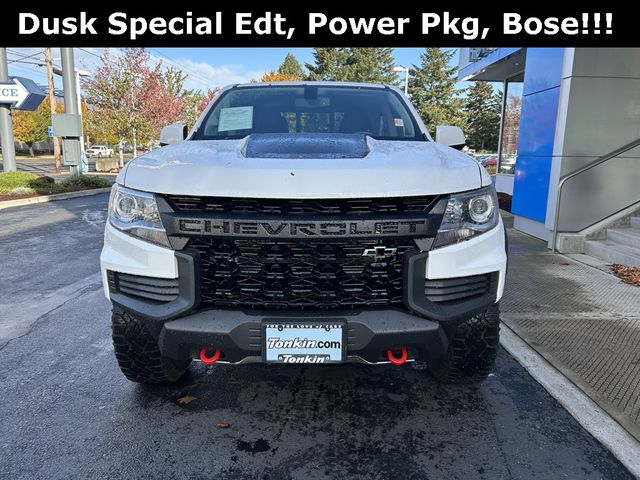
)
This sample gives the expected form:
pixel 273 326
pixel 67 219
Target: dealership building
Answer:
pixel 572 114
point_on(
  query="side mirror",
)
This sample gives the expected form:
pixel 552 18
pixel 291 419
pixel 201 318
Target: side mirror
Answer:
pixel 451 136
pixel 173 133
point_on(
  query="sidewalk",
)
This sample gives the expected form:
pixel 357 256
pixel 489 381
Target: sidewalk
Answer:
pixel 583 320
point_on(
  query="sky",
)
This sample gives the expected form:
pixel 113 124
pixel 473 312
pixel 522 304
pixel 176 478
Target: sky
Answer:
pixel 206 67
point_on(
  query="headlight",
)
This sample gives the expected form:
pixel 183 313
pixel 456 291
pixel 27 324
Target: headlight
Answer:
pixel 136 213
pixel 467 215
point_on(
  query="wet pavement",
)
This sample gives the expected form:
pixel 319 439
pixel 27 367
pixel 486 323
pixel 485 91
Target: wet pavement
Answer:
pixel 67 412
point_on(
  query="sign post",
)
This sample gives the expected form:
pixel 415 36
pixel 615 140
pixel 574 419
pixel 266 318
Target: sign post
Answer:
pixel 6 125
pixel 17 93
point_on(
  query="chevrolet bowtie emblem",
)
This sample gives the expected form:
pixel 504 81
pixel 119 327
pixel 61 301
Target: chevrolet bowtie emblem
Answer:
pixel 380 252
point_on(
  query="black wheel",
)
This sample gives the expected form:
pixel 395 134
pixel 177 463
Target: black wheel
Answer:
pixel 138 354
pixel 472 349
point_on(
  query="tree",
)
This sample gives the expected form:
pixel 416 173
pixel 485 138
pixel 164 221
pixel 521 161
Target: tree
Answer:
pixel 131 96
pixel 195 102
pixel 432 88
pixel 31 127
pixel 276 76
pixel 159 101
pixel 482 111
pixel 353 65
pixel 291 68
pixel 328 64
pixel 113 90
pixel 25 129
pixel 371 65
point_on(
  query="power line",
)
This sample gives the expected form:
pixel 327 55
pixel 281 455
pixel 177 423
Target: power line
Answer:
pixel 196 76
pixel 22 55
pixel 89 52
pixel 15 60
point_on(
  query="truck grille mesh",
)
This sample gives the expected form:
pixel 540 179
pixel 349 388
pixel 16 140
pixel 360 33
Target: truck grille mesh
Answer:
pixel 274 274
pixel 359 206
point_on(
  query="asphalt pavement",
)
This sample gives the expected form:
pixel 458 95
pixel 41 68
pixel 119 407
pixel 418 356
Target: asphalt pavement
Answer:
pixel 67 412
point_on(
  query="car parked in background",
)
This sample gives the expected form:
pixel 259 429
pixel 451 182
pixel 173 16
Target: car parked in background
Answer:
pixel 99 151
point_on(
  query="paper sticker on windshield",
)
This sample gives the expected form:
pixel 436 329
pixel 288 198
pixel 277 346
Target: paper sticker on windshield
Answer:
pixel 235 118
pixel 398 122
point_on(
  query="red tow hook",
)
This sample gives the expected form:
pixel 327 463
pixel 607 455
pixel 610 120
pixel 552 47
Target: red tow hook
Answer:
pixel 212 359
pixel 398 360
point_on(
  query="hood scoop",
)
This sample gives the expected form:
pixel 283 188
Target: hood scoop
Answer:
pixel 306 145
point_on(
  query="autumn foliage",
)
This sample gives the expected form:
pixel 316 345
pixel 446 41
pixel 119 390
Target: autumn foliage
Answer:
pixel 274 76
pixel 130 93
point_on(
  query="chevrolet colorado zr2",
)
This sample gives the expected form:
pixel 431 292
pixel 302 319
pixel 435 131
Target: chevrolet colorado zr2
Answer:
pixel 305 222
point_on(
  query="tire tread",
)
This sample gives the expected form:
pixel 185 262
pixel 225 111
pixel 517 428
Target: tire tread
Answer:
pixel 137 352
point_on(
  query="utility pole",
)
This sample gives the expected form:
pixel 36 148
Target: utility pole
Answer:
pixel 6 123
pixel 52 101
pixel 406 77
pixel 70 100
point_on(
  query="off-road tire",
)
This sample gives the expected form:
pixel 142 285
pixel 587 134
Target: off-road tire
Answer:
pixel 473 347
pixel 138 354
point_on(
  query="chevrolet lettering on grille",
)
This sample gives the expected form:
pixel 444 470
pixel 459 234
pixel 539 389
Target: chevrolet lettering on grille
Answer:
pixel 301 229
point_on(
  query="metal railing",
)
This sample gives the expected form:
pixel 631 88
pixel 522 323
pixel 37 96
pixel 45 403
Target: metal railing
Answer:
pixel 575 173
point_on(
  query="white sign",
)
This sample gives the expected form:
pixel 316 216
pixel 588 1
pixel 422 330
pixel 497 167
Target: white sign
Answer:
pixel 21 93
pixel 235 118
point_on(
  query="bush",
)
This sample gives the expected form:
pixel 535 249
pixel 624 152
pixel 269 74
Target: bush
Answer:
pixel 12 180
pixel 25 183
pixel 84 183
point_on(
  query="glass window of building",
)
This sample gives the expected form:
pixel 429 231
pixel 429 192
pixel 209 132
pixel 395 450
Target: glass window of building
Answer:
pixel 510 127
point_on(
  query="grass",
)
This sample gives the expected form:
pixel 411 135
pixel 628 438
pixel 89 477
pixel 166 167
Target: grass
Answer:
pixel 24 184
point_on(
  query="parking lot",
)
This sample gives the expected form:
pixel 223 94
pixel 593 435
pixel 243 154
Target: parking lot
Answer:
pixel 67 412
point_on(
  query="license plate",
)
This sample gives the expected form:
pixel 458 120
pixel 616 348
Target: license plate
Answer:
pixel 303 342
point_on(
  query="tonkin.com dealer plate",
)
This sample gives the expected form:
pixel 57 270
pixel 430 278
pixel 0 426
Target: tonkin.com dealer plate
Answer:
pixel 303 342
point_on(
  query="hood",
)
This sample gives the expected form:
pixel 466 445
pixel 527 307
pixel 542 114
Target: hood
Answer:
pixel 223 168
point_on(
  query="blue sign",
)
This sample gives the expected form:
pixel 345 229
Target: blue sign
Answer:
pixel 50 131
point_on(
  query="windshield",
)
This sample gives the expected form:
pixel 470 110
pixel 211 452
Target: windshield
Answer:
pixel 239 112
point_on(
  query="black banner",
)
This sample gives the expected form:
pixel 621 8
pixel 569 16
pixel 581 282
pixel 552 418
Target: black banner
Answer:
pixel 432 24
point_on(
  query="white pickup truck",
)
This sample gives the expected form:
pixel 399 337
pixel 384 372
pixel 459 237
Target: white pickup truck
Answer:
pixel 99 151
pixel 305 222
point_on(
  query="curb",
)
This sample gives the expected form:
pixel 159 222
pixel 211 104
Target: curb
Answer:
pixel 51 198
pixel 595 420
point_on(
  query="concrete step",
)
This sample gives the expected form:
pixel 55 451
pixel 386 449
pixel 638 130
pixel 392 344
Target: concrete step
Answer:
pixel 624 236
pixel 613 252
pixel 635 222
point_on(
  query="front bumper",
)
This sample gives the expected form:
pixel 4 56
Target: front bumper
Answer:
pixel 181 329
pixel 239 335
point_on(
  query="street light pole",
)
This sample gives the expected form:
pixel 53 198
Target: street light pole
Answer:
pixel 406 77
pixel 6 123
pixel 83 155
pixel 70 97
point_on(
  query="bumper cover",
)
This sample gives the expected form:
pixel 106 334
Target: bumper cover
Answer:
pixel 240 334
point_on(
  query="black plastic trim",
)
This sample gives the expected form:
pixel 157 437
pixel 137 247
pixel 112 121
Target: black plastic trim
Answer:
pixel 188 293
pixel 415 299
pixel 239 334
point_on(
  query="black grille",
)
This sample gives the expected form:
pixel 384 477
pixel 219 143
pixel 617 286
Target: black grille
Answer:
pixel 453 289
pixel 393 205
pixel 269 274
pixel 149 288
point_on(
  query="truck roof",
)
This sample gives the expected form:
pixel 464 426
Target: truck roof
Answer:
pixel 316 83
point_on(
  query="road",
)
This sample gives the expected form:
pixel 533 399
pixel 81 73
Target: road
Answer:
pixel 67 412
pixel 45 165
